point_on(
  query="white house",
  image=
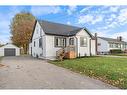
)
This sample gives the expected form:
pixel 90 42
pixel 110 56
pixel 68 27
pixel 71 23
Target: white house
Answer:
pixel 49 37
pixel 9 50
pixel 104 45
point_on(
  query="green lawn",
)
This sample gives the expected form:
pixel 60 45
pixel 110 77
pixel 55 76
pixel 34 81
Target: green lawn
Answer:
pixel 107 69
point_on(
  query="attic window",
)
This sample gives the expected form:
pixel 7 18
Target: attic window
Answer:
pixel 34 43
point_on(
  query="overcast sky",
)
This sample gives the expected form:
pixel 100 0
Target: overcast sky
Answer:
pixel 107 21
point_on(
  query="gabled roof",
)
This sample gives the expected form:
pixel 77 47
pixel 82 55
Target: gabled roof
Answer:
pixel 58 29
pixel 112 40
pixel 52 28
pixel 9 44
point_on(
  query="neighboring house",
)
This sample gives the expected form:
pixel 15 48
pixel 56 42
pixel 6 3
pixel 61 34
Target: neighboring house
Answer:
pixel 49 37
pixel 104 45
pixel 9 50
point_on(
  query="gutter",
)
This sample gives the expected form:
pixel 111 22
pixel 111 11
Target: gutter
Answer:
pixel 90 47
pixel 96 46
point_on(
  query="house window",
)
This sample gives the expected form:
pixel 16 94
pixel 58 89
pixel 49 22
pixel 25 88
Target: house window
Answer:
pixel 34 43
pixel 40 42
pixel 124 46
pixel 116 45
pixel 60 42
pixel 71 41
pixel 83 41
pixel 111 45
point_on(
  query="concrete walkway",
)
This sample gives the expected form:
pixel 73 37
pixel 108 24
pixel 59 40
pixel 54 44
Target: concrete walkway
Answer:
pixel 29 73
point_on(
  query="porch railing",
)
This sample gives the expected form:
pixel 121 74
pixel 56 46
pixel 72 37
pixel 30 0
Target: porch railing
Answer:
pixel 67 52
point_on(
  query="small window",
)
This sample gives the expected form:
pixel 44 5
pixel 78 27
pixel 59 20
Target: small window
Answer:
pixel 83 42
pixel 60 42
pixel 34 43
pixel 40 42
pixel 71 41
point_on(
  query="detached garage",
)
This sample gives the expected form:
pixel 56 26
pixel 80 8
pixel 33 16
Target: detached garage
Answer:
pixel 9 50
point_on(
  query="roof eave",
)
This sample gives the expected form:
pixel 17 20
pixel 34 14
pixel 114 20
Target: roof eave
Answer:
pixel 92 37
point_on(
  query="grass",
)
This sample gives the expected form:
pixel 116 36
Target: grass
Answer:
pixel 107 69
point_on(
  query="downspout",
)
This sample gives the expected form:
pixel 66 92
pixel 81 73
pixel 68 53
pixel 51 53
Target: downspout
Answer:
pixel 96 44
pixel 90 46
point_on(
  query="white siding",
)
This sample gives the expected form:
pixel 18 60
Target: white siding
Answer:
pixel 36 50
pixel 104 46
pixel 1 51
pixel 93 47
pixel 50 47
pixel 30 46
pixel 82 51
pixel 9 46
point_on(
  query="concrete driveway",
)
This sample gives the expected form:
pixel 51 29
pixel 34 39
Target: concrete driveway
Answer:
pixel 29 73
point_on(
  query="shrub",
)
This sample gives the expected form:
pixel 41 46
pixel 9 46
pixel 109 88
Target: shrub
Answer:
pixel 114 51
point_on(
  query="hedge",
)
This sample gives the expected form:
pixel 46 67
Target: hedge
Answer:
pixel 116 51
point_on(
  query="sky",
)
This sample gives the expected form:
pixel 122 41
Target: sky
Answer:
pixel 106 21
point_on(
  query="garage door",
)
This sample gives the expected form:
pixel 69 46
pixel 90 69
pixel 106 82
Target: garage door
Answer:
pixel 9 52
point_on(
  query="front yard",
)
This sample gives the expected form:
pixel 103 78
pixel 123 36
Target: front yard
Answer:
pixel 107 69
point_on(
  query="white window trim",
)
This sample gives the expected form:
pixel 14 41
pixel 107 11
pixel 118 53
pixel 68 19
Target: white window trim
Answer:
pixel 60 44
pixel 85 44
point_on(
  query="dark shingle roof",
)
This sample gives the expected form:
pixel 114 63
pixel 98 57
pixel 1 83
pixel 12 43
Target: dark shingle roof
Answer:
pixel 112 40
pixel 52 28
pixel 58 29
